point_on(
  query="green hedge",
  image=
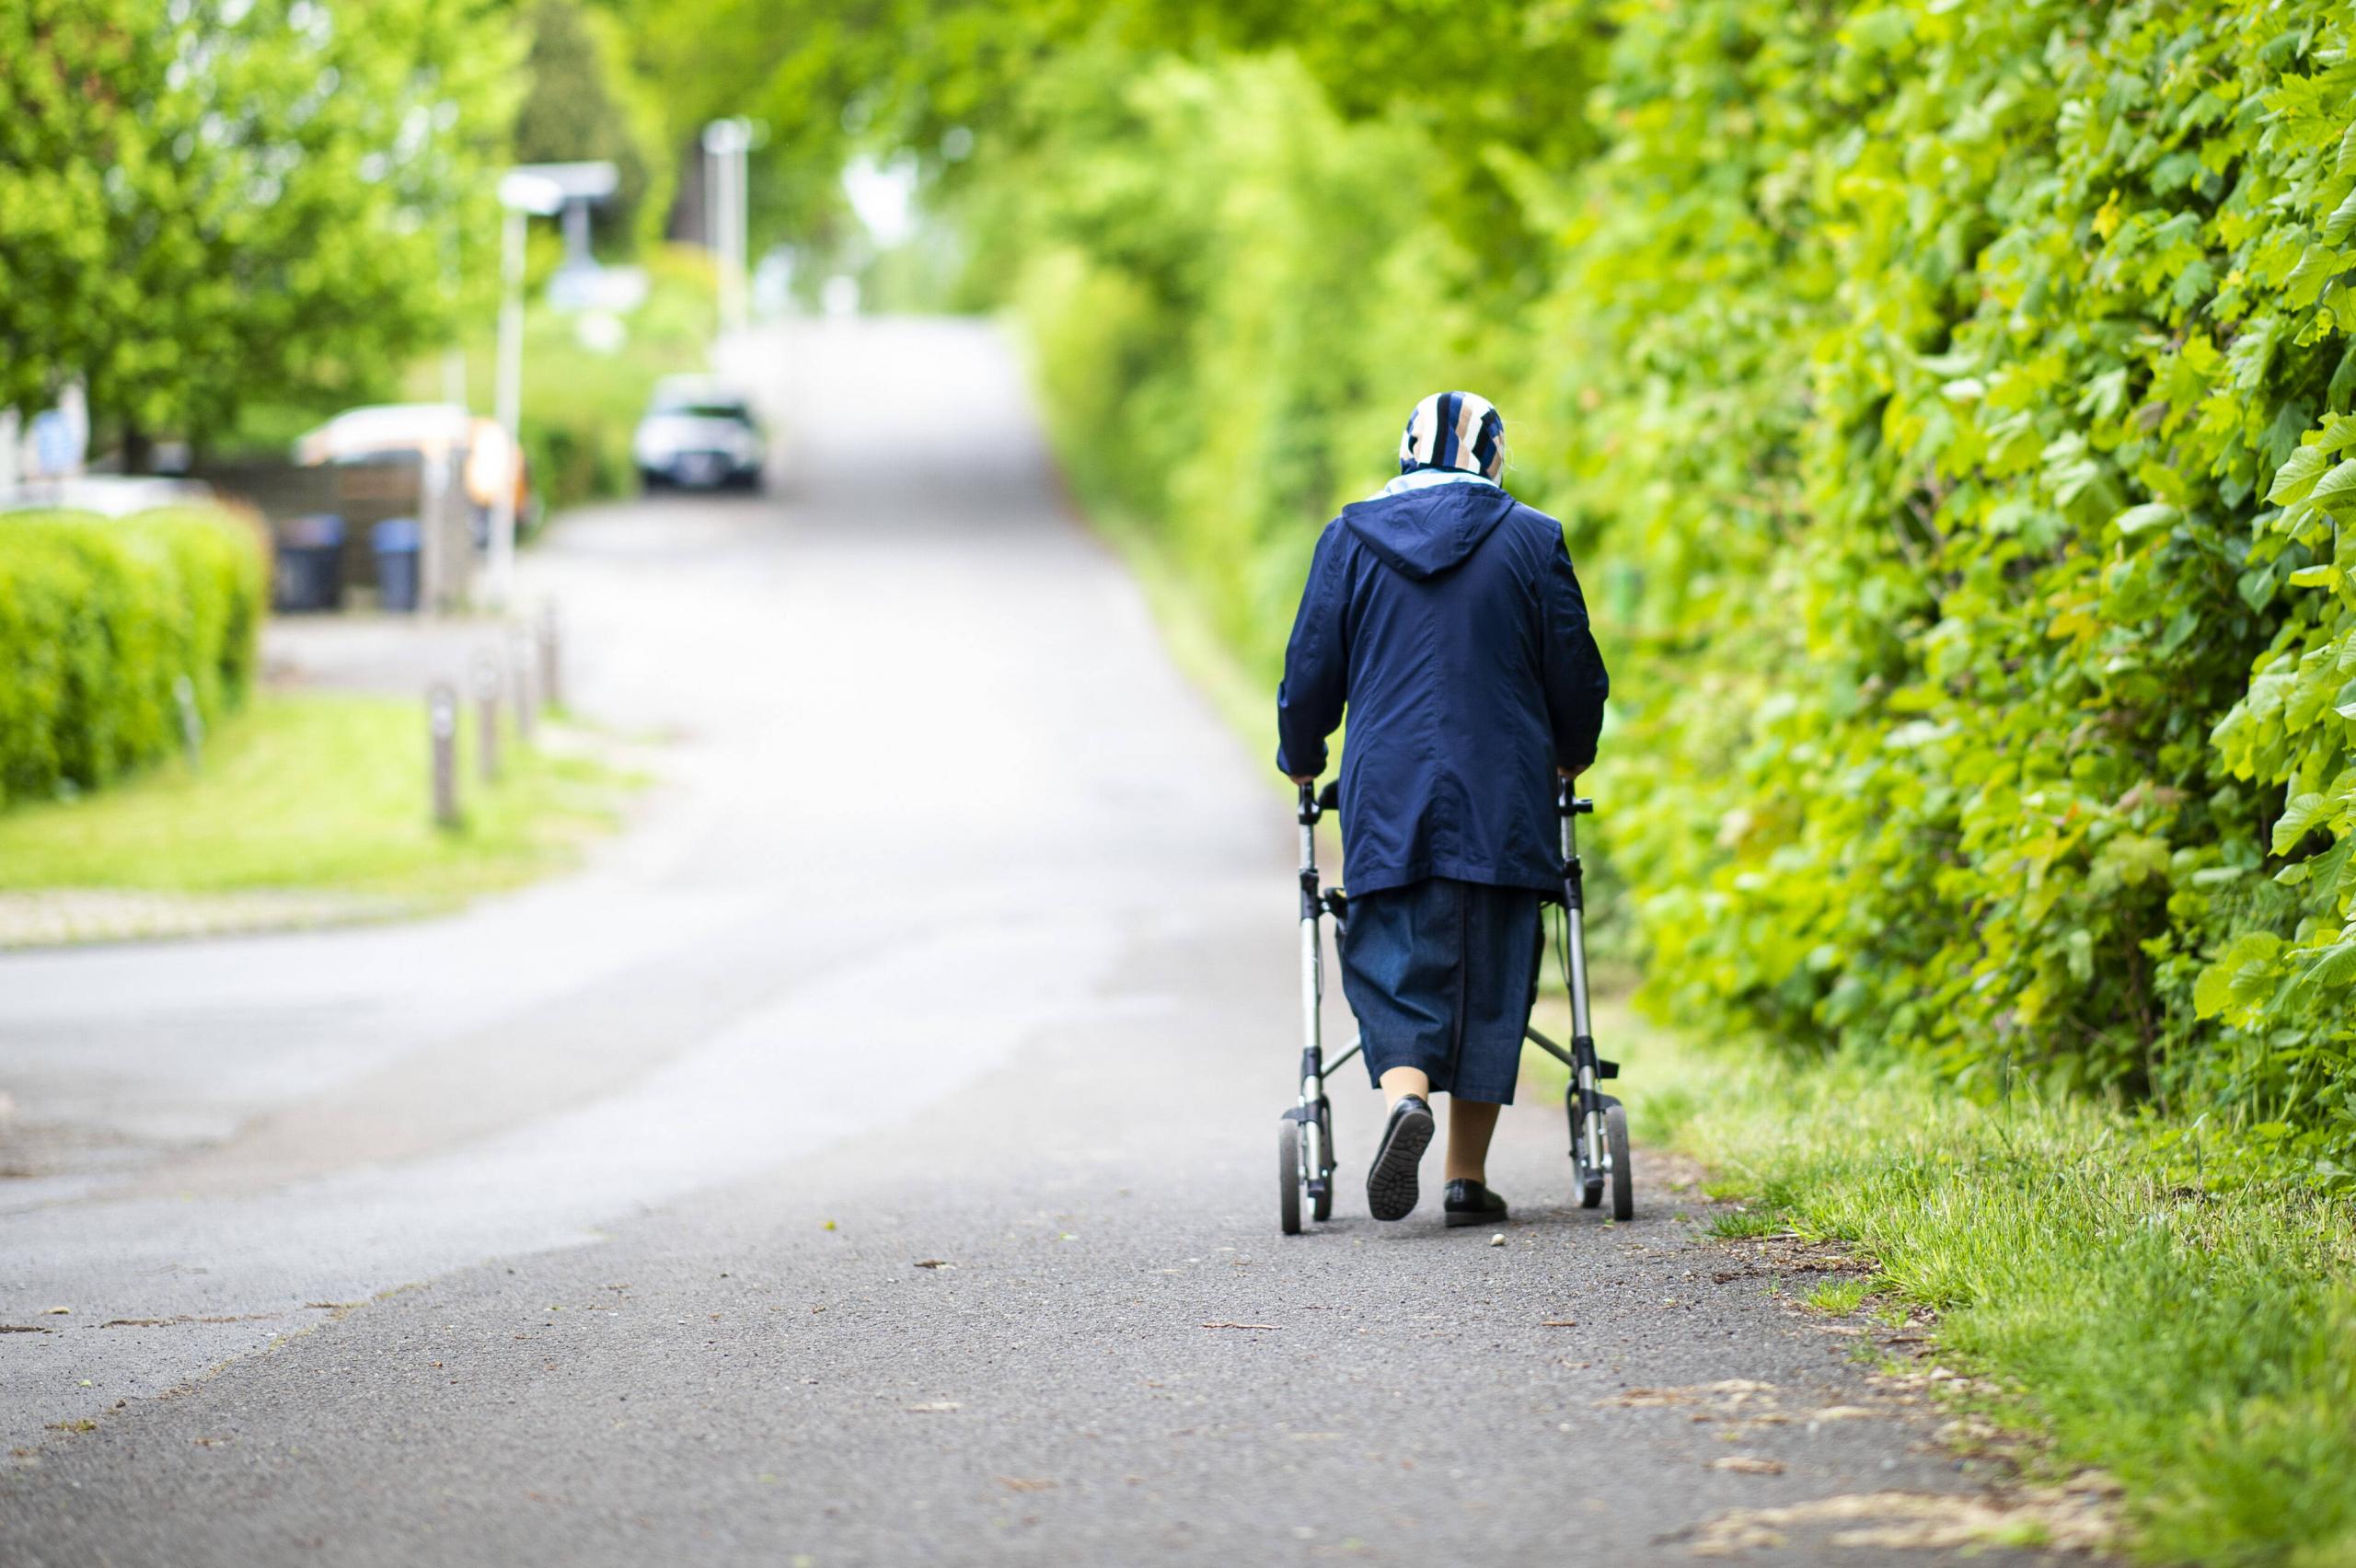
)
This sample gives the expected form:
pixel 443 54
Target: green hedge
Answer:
pixel 1971 384
pixel 1950 407
pixel 98 619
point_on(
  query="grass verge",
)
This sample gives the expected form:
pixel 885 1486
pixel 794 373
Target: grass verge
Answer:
pixel 321 792
pixel 2152 1301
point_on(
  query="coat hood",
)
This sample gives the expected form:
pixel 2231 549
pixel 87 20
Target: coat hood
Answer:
pixel 1423 533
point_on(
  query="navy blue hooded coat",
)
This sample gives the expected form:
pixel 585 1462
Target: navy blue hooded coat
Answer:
pixel 1450 623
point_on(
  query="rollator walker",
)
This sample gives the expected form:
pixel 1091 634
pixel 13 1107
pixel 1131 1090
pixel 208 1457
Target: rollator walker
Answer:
pixel 1305 1162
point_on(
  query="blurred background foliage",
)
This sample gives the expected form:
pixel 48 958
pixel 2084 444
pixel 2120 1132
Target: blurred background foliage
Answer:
pixel 1949 406
pixel 205 205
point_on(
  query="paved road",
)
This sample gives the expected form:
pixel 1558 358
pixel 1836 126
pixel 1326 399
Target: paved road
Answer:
pixel 848 1168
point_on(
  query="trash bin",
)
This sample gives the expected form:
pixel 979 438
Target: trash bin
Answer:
pixel 395 541
pixel 309 570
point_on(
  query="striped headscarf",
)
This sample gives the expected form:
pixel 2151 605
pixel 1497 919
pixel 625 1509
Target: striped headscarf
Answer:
pixel 1454 429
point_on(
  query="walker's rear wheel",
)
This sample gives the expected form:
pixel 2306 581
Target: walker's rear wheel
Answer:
pixel 1624 1171
pixel 1289 1182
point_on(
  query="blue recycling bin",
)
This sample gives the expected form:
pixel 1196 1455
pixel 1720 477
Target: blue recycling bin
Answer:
pixel 397 541
pixel 307 568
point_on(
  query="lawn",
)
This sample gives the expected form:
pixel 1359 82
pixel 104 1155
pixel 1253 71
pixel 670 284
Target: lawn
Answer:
pixel 317 792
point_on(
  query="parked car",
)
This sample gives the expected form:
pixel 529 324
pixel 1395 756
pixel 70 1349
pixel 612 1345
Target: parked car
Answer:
pixel 430 430
pixel 697 434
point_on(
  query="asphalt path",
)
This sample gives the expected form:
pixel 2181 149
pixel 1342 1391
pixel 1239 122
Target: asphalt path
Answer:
pixel 869 1157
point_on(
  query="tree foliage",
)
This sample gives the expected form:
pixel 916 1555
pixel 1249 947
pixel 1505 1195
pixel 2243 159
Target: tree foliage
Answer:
pixel 203 203
pixel 585 104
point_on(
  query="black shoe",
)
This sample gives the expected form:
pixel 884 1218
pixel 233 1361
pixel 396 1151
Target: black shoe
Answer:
pixel 1469 1203
pixel 1390 1190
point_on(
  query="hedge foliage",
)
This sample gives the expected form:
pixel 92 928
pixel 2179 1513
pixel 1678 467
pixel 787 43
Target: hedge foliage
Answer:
pixel 1950 407
pixel 99 618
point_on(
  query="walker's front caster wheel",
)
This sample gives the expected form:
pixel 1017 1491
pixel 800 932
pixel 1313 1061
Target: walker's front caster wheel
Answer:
pixel 1586 1165
pixel 1624 1171
pixel 1289 1177
pixel 1321 1199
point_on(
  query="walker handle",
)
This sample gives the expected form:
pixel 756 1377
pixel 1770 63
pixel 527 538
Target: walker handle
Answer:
pixel 1569 805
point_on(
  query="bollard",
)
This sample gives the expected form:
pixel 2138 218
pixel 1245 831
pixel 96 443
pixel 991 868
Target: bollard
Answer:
pixel 552 687
pixel 487 717
pixel 441 724
pixel 191 722
pixel 519 667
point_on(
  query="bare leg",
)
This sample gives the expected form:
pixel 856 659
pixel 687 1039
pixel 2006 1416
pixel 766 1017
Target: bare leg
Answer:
pixel 1399 1082
pixel 1470 1126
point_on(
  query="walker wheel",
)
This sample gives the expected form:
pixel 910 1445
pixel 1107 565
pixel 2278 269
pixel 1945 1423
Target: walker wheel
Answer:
pixel 1624 1171
pixel 1288 1180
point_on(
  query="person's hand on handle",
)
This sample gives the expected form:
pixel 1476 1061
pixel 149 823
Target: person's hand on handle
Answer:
pixel 1304 779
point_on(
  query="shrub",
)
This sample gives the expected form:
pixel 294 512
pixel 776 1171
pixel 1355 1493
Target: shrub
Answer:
pixel 1952 411
pixel 99 618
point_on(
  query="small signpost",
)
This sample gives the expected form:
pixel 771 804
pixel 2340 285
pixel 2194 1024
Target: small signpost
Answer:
pixel 487 717
pixel 441 725
pixel 519 669
pixel 191 722
pixel 551 683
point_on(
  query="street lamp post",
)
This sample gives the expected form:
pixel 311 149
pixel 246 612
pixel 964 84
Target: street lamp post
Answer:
pixel 521 196
pixel 725 142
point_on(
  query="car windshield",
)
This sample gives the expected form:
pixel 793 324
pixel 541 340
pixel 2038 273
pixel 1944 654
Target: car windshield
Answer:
pixel 709 409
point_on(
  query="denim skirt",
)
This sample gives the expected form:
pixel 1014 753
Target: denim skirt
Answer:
pixel 1441 975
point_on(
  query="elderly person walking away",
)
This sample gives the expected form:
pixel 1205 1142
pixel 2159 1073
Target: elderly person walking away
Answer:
pixel 1444 616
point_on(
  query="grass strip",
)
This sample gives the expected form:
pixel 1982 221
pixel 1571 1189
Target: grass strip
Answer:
pixel 319 791
pixel 2153 1301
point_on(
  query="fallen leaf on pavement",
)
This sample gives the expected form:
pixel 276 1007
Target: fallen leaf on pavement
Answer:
pixel 1225 1325
pixel 1024 1483
pixel 2074 1517
pixel 1558 1322
pixel 1748 1464
pixel 934 1407
pixel 934 1263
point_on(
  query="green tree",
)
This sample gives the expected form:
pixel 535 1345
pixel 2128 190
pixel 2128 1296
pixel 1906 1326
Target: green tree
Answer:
pixel 584 104
pixel 202 204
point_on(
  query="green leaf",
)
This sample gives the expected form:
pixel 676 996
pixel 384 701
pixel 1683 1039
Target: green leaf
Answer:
pixel 2342 219
pixel 2153 514
pixel 2297 476
pixel 2330 972
pixel 2340 482
pixel 2242 975
pixel 2302 814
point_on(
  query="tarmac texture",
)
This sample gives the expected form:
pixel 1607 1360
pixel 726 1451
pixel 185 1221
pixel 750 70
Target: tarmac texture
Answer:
pixel 869 1159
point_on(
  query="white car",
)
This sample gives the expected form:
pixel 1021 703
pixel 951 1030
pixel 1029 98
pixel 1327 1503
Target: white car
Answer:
pixel 699 435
